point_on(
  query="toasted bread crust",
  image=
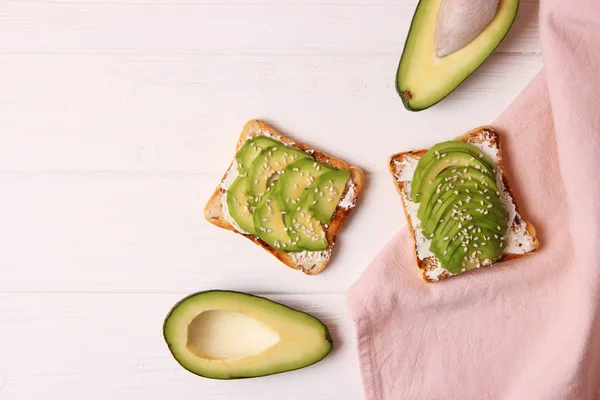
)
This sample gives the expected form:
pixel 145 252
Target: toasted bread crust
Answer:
pixel 473 136
pixel 214 212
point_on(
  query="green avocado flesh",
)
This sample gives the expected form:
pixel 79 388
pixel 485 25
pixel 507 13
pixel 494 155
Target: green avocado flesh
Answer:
pixel 267 164
pixel 424 78
pixel 305 229
pixel 298 176
pixel 269 223
pixel 459 206
pixel 327 193
pixel 250 150
pixel 284 196
pixel 238 205
pixel 232 335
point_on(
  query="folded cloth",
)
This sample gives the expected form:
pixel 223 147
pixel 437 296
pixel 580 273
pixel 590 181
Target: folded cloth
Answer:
pixel 525 329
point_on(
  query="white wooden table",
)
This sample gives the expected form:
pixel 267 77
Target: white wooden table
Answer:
pixel 117 120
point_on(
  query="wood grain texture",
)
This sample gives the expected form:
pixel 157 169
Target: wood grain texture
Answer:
pixel 117 120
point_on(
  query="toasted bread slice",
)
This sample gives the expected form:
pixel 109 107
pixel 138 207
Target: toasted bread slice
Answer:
pixel 521 236
pixel 309 262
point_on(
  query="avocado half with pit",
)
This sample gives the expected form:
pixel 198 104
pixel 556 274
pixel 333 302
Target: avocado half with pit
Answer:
pixel 447 41
pixel 232 335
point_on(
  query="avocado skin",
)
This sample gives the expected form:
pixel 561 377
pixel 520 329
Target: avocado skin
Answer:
pixel 328 337
pixel 405 94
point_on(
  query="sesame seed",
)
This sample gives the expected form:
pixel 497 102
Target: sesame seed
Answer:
pixel 439 201
pixel 483 243
pixel 299 208
pixel 446 238
pixel 256 181
pixel 489 206
pixel 444 155
pixel 456 192
pixel 314 202
pixel 316 190
pixel 475 245
pixel 269 230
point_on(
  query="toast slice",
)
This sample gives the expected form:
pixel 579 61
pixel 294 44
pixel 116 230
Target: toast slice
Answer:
pixel 309 262
pixel 521 236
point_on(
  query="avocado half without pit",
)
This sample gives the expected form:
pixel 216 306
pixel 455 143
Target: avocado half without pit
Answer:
pixel 447 41
pixel 232 335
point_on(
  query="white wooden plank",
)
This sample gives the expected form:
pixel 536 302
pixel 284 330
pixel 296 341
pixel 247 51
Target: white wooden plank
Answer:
pixel 111 347
pixel 209 27
pixel 184 113
pixel 145 234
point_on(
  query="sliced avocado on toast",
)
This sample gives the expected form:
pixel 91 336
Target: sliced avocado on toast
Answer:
pixel 231 335
pixel 284 196
pixel 460 208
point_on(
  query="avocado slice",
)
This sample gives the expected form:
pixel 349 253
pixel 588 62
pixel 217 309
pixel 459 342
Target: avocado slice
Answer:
pixel 492 220
pixel 239 206
pixel 462 254
pixel 232 335
pixel 324 195
pixel 251 149
pixel 425 74
pixel 304 229
pixel 459 197
pixel 451 168
pixel 267 164
pixel 440 151
pixel 269 222
pixel 298 176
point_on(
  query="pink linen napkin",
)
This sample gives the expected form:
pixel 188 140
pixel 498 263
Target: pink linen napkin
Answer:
pixel 526 329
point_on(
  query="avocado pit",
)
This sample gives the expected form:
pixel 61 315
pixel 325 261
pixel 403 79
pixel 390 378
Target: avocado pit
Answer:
pixel 459 22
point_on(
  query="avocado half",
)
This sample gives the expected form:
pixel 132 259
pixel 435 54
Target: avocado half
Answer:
pixel 232 335
pixel 425 77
